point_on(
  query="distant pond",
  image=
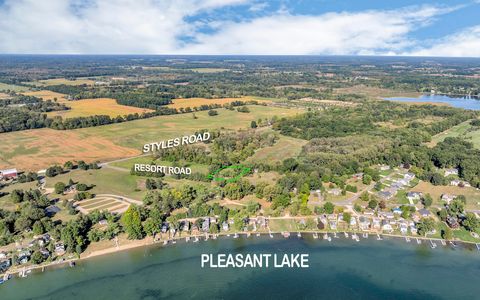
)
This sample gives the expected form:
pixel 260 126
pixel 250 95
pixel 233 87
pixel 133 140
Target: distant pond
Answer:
pixel 466 102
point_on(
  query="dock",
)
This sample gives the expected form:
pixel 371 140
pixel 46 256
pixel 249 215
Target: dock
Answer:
pixel 407 239
pixel 433 245
pixel 478 246
pixel 379 238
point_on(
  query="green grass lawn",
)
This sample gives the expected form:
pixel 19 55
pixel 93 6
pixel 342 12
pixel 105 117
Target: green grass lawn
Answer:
pixel 106 181
pixel 283 148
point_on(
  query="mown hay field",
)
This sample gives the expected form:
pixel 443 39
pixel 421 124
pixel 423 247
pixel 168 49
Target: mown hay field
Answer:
pixel 197 102
pixel 57 81
pixel 99 106
pixel 40 148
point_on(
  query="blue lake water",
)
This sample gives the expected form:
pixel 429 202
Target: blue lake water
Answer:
pixel 460 102
pixel 342 269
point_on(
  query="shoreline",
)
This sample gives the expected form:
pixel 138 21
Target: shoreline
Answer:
pixel 149 241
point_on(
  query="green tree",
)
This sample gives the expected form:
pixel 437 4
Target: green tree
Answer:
pixel 347 217
pixel 425 226
pixel 470 222
pixel 212 113
pixel 253 124
pixel 329 207
pixel 132 222
pixel 151 226
pixel 366 179
pixel 37 257
pixel 372 204
pixel 38 228
pixel 427 200
pixel 447 233
pixel 59 188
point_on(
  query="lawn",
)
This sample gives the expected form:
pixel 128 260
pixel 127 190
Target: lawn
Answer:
pixel 45 146
pixel 472 194
pixel 105 181
pixel 6 202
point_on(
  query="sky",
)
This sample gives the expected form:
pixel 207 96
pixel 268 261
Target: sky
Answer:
pixel 281 27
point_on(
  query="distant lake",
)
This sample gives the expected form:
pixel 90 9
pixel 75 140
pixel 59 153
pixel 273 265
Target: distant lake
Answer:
pixel 342 269
pixel 460 102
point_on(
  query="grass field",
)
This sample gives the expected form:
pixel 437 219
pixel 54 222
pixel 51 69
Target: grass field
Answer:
pixel 375 92
pixel 463 130
pixel 39 148
pixel 472 194
pixel 128 164
pixel 100 106
pixel 101 203
pixel 284 147
pixel 105 181
pixel 197 102
pixel 12 87
pixel 57 81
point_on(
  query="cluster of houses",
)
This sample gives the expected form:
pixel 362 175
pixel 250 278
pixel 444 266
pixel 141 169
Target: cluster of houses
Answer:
pixel 22 255
pixel 254 224
pixel 386 222
pixel 391 189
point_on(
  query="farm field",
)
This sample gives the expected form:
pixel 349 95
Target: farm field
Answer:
pixel 48 95
pixel 13 87
pixel 100 106
pixel 284 147
pixel 57 81
pixel 40 148
pixel 197 102
pixel 461 130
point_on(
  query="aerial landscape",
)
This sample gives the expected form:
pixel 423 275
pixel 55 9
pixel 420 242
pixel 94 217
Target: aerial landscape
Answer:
pixel 152 173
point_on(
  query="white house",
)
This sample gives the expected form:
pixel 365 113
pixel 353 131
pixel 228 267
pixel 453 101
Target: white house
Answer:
pixel 453 171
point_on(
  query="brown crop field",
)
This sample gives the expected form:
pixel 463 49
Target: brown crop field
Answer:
pixel 57 81
pixel 197 102
pixel 100 106
pixel 48 95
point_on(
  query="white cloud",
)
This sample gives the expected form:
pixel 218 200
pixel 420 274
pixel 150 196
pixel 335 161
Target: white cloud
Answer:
pixel 465 43
pixel 368 32
pixel 98 26
pixel 157 27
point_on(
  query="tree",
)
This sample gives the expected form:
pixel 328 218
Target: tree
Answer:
pixel 425 226
pixel 382 204
pixel 150 184
pixel 213 228
pixel 364 196
pixel 37 257
pixel 17 196
pixel 347 217
pixel 470 222
pixel 132 222
pixel 427 200
pixel 59 188
pixel 151 226
pixel 253 124
pixel 82 187
pixel 447 233
pixel 38 228
pixel 366 179
pixel 372 204
pixel 212 113
pixel 329 207
pixel 68 165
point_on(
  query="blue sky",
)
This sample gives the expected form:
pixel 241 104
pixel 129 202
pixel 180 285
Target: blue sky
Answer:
pixel 324 27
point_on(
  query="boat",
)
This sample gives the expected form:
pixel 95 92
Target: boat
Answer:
pixel 165 242
pixel 315 235
pixel 443 242
pixel 196 239
pixel 187 239
pixel 258 234
pixel 418 241
pixel 379 238
pixel 299 235
pixel 327 237
pixel 335 235
pixel 365 235
pixel 174 241
pixel 355 237
pixel 407 239
pixel 71 264
pixel 271 235
pixel 346 235
pixel 248 234
pixel 235 236
pixel 433 245
pixel 286 234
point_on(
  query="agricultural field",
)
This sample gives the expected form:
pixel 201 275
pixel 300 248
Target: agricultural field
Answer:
pixel 48 95
pixel 13 87
pixel 100 106
pixel 464 130
pixel 375 92
pixel 40 148
pixel 284 147
pixel 197 102
pixel 112 204
pixel 57 81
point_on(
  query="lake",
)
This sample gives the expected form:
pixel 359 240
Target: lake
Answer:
pixel 342 269
pixel 460 102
